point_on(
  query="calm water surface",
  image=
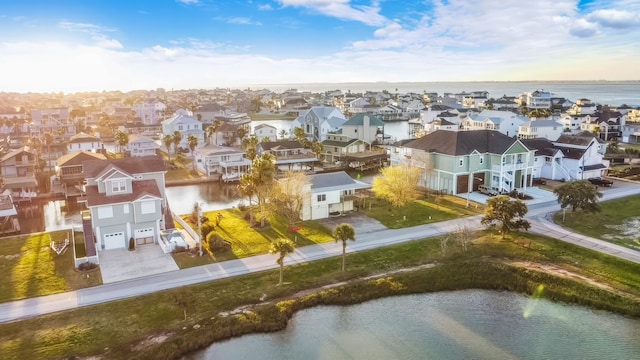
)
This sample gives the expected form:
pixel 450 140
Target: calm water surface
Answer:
pixel 471 324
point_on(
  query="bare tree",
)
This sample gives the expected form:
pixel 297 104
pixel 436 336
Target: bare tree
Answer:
pixel 288 195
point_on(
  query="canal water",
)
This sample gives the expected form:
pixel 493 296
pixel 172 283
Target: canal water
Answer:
pixel 472 324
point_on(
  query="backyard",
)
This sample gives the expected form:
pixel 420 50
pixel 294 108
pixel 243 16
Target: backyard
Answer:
pixel 30 268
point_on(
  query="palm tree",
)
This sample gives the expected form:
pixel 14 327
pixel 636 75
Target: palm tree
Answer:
pixel 48 140
pixel 344 232
pixel 168 140
pixel 249 145
pixel 241 132
pixel 192 140
pixel 212 130
pixel 282 248
pixel 283 134
pixel 122 138
pixel 177 139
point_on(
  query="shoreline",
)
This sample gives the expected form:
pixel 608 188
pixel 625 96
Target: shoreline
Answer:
pixel 274 315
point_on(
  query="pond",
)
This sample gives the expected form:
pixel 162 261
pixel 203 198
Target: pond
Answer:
pixel 471 324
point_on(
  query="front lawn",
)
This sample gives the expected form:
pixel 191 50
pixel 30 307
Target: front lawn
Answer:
pixel 425 211
pixel 29 268
pixel 618 222
pixel 249 241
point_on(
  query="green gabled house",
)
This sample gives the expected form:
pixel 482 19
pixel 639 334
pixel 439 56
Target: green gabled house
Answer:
pixel 456 162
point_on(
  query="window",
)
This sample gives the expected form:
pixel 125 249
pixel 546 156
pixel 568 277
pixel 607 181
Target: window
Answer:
pixel 481 159
pixel 461 162
pixel 148 207
pixel 180 127
pixel 118 185
pixel 105 212
pixel 322 197
pixel 125 208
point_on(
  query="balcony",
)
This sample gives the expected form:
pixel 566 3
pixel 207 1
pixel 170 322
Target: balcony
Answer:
pixel 509 167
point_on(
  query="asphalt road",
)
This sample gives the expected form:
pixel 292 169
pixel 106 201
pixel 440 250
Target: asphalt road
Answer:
pixel 539 216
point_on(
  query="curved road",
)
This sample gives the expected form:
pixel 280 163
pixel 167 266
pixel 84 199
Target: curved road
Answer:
pixel 539 215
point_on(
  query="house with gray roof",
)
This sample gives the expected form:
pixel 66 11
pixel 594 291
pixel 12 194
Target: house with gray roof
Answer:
pixel 289 154
pixel 457 162
pixel 365 127
pixel 319 121
pixel 548 129
pixel 568 158
pixel 226 162
pixel 338 146
pixel 330 194
pixel 505 122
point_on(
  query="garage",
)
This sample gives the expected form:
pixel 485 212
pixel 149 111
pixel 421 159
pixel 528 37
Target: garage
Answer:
pixel 113 241
pixel 319 212
pixel 144 236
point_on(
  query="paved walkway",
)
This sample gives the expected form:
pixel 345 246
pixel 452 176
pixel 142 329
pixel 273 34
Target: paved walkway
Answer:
pixel 32 307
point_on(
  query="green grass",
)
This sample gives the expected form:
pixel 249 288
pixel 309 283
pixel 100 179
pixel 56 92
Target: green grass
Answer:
pixel 29 268
pixel 249 241
pixel 81 251
pixel 426 211
pixel 601 225
pixel 488 264
pixel 181 174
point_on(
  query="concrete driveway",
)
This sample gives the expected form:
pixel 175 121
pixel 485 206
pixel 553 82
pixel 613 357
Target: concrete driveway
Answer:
pixel 122 264
pixel 360 222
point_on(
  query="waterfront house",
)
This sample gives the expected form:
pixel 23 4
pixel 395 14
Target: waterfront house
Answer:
pixel 84 142
pixel 337 146
pixel 265 131
pixel 505 122
pixel 69 172
pixel 456 162
pixel 140 146
pixel 227 162
pixel 18 168
pixel 568 158
pixel 126 199
pixel 186 125
pixel 368 128
pixel 548 129
pixel 290 155
pixel 440 124
pixel 319 121
pixel 539 99
pixel 330 194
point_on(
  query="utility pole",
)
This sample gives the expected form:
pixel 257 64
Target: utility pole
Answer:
pixel 199 215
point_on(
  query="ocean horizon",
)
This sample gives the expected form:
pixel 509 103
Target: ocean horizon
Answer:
pixel 606 92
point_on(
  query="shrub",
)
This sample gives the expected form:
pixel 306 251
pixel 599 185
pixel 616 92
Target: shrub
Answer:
pixel 132 244
pixel 179 249
pixel 87 266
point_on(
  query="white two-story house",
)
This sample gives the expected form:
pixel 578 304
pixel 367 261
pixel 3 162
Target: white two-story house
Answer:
pixel 227 162
pixel 330 193
pixel 126 199
pixel 185 125
pixel 140 146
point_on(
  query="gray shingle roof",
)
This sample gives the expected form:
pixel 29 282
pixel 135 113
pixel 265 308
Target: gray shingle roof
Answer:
pixel 359 120
pixel 463 142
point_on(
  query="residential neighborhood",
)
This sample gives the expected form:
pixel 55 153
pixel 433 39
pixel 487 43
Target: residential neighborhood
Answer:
pixel 146 183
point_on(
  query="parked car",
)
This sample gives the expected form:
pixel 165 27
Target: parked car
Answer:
pixel 484 189
pixel 600 181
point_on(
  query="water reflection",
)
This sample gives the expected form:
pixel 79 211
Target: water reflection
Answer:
pixel 212 196
pixel 471 324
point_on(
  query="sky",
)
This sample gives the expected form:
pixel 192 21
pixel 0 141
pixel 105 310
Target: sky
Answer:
pixel 96 45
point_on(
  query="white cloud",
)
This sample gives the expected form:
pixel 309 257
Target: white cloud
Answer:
pixel 453 41
pixel 341 9
pixel 188 2
pixel 107 43
pixel 265 7
pixel 238 21
pixel 583 28
pixel 618 19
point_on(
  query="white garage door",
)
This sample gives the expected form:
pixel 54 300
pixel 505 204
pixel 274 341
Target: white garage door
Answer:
pixel 114 241
pixel 144 236
pixel 320 212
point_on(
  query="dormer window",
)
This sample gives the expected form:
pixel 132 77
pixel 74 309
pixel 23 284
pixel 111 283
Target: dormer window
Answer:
pixel 118 186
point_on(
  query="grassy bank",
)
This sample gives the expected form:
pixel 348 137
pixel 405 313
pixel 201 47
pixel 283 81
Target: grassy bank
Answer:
pixel 154 326
pixel 30 268
pixel 425 211
pixel 613 223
